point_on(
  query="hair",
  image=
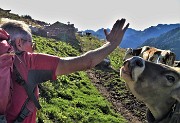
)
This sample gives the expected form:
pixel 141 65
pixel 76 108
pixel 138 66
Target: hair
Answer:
pixel 16 29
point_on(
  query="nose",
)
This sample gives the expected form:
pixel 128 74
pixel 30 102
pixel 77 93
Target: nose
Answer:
pixel 135 62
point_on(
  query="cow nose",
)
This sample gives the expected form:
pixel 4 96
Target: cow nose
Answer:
pixel 136 61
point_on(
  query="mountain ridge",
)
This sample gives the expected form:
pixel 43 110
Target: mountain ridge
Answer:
pixel 169 40
pixel 134 38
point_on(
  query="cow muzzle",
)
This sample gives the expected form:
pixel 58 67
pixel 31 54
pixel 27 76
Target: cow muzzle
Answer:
pixel 132 68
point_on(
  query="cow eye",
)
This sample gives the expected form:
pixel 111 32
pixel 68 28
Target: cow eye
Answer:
pixel 170 78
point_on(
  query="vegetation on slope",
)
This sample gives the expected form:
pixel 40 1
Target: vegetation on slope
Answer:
pixel 71 98
pixel 90 43
pixel 109 78
pixel 26 18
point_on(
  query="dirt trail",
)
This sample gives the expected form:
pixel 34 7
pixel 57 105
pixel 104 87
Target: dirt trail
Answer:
pixel 123 102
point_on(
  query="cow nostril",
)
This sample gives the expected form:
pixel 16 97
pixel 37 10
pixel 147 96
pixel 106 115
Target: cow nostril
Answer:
pixel 139 62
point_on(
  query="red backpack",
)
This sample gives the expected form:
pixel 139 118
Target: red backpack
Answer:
pixel 6 69
pixel 6 66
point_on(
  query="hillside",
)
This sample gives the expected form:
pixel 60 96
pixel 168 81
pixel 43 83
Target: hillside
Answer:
pixel 25 18
pixel 57 30
pixel 112 87
pixel 169 40
pixel 97 95
pixel 72 98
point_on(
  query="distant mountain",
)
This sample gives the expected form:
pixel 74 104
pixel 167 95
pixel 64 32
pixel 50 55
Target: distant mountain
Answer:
pixel 134 38
pixel 99 33
pixel 169 40
pixel 138 38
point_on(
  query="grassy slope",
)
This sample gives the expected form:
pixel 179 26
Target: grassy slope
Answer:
pixel 71 98
pixel 89 43
pixel 111 80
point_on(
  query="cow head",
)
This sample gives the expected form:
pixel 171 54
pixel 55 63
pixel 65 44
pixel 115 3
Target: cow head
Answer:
pixel 167 57
pixel 128 53
pixel 157 85
pixel 132 52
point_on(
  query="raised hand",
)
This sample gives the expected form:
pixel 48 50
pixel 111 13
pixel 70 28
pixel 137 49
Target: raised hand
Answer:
pixel 117 32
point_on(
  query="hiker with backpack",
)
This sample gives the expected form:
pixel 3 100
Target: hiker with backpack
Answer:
pixel 30 69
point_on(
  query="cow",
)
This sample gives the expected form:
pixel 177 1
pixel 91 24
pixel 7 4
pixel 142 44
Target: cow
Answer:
pixel 88 33
pixel 152 54
pixel 157 85
pixel 167 57
pixel 146 52
pixel 132 52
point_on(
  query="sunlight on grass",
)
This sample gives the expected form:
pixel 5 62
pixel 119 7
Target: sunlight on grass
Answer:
pixel 72 98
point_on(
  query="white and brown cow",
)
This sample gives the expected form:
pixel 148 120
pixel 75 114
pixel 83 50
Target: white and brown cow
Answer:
pixel 152 54
pixel 157 85
pixel 146 52
pixel 167 57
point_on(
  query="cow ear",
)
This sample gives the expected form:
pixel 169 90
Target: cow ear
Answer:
pixel 176 94
pixel 144 49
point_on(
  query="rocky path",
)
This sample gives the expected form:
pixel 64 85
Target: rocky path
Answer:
pixel 127 111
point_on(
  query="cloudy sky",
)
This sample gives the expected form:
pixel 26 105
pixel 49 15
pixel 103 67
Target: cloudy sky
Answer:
pixel 95 14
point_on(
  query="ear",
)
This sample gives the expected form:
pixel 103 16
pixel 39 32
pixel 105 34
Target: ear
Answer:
pixel 144 49
pixel 19 43
pixel 176 94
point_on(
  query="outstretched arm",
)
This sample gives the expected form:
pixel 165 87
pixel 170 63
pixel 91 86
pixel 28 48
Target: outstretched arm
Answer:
pixel 93 57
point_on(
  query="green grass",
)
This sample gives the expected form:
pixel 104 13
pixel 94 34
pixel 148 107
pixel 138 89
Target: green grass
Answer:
pixel 116 56
pixel 110 79
pixel 72 98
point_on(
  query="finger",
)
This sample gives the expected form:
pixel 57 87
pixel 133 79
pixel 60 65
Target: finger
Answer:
pixel 126 27
pixel 115 26
pixel 121 23
pixel 105 32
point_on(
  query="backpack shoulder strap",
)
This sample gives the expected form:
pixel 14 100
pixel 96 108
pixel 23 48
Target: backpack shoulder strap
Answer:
pixel 23 113
pixel 29 90
pixel 31 96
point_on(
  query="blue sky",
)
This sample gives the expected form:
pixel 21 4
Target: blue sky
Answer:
pixel 95 14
